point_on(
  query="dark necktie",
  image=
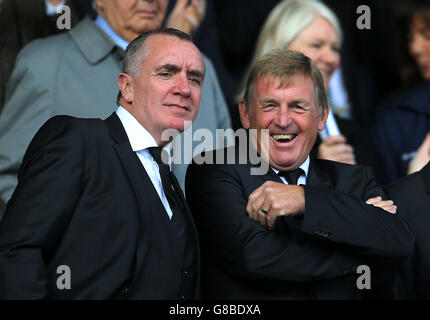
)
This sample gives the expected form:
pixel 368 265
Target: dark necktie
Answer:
pixel 173 195
pixel 166 178
pixel 291 176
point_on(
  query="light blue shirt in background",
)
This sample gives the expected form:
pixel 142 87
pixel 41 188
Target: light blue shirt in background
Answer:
pixel 102 24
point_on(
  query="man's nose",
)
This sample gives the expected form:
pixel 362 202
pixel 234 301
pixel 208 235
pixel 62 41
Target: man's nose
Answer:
pixel 183 86
pixel 282 117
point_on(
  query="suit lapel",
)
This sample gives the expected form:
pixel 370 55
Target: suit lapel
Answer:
pixel 140 183
pixel 94 43
pixel 187 209
pixel 317 176
pixel 190 220
pixel 271 176
pixel 426 177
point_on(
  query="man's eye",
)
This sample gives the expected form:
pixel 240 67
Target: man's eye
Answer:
pixel 298 108
pixel 195 81
pixel 316 45
pixel 165 74
pixel 268 106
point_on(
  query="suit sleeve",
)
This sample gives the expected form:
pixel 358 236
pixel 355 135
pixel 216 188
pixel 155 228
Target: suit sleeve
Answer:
pixel 28 105
pixel 368 231
pixel 244 248
pixel 41 208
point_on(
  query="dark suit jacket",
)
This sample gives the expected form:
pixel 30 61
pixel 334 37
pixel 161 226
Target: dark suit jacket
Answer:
pixel 412 196
pixel 83 201
pixel 313 257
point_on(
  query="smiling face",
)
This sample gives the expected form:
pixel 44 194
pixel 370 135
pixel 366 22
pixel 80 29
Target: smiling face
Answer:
pixel 291 116
pixel 419 44
pixel 320 42
pixel 131 18
pixel 167 91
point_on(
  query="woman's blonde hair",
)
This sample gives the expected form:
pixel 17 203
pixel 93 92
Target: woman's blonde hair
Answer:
pixel 287 19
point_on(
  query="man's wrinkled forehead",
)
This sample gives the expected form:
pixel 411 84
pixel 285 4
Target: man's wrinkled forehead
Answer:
pixel 283 81
pixel 169 49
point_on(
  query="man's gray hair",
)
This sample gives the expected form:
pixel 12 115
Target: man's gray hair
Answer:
pixel 285 66
pixel 137 52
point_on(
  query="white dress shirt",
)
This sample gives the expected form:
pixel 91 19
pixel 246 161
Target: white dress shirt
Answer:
pixel 331 128
pixel 302 179
pixel 339 95
pixel 140 140
pixel 53 10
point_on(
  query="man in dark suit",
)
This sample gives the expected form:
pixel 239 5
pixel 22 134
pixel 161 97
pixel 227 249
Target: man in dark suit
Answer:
pixel 412 194
pixel 262 236
pixel 97 213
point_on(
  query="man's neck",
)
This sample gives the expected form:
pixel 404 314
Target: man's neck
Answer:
pixel 106 28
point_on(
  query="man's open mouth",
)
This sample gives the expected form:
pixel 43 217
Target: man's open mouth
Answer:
pixel 283 137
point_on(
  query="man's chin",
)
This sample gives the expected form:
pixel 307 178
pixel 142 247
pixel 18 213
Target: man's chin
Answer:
pixel 285 163
pixel 146 25
pixel 179 124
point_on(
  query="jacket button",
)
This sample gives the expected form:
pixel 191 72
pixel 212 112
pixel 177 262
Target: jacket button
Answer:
pixel 183 298
pixel 124 291
pixel 186 273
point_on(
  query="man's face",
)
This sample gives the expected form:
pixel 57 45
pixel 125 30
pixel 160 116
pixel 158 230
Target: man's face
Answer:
pixel 131 18
pixel 167 91
pixel 291 116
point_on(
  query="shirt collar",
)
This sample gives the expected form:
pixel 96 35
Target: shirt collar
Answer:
pixel 139 137
pixel 102 24
pixel 304 166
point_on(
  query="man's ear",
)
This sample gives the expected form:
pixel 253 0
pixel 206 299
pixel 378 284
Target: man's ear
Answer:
pixel 244 115
pixel 323 118
pixel 99 5
pixel 125 84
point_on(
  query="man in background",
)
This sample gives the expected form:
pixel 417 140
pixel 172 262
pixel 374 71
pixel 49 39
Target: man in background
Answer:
pixel 301 229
